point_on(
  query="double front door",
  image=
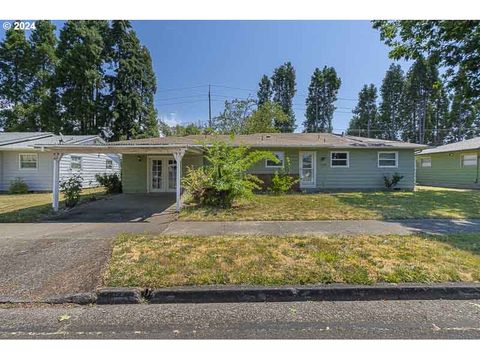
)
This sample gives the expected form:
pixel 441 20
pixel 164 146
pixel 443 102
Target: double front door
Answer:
pixel 162 174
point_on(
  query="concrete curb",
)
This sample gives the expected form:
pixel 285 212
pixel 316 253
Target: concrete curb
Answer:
pixel 316 293
pixel 225 294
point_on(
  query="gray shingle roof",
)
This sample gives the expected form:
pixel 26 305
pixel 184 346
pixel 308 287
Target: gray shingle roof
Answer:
pixel 275 140
pixel 471 144
pixel 27 139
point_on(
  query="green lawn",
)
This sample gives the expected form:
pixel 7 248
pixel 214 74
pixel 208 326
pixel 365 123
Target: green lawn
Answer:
pixel 162 261
pixel 35 206
pixel 425 202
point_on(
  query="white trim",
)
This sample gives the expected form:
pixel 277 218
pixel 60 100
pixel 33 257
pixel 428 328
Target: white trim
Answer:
pixel 387 152
pixel 279 165
pixel 71 162
pixel 470 154
pixel 164 159
pixel 27 169
pixel 314 168
pixel 340 152
pixel 424 158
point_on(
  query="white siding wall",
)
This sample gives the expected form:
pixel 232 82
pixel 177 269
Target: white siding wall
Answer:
pixel 92 164
pixel 41 178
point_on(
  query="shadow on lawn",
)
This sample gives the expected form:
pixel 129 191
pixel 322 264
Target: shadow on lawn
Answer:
pixel 418 204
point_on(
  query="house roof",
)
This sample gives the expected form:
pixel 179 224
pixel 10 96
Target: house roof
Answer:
pixel 326 140
pixel 471 144
pixel 22 140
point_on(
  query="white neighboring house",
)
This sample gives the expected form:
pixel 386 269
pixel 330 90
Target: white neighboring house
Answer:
pixel 19 159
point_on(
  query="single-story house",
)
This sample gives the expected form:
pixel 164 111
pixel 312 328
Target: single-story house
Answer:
pixel 22 156
pixel 322 161
pixel 451 165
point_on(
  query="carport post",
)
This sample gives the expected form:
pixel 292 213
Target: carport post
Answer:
pixel 178 155
pixel 56 180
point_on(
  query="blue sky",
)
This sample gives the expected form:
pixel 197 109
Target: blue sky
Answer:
pixel 189 55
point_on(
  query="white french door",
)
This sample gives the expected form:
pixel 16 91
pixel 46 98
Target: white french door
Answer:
pixel 307 169
pixel 162 174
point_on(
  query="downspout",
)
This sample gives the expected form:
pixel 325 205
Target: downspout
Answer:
pixel 478 158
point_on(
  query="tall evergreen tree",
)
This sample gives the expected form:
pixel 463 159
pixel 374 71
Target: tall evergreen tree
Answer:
pixel 15 80
pixel 322 94
pixel 439 115
pixel 390 121
pixel 43 100
pixel 283 87
pixel 364 120
pixel 132 85
pixel 464 117
pixel 264 93
pixel 80 75
pixel 418 93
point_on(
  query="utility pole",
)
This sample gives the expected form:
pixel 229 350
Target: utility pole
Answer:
pixel 209 108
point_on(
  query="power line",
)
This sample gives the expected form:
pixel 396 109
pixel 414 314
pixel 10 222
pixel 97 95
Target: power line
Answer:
pixel 181 97
pixel 181 88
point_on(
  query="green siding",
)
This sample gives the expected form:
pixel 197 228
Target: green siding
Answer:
pixel 447 171
pixel 362 173
pixel 134 172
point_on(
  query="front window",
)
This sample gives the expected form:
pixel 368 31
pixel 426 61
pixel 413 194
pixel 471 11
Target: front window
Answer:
pixel 76 163
pixel 387 159
pixel 339 159
pixel 280 155
pixel 109 164
pixel 469 160
pixel 28 161
pixel 426 162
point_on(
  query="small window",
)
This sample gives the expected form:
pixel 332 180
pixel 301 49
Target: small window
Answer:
pixel 426 162
pixel 469 160
pixel 280 155
pixel 108 164
pixel 387 159
pixel 76 162
pixel 339 159
pixel 28 161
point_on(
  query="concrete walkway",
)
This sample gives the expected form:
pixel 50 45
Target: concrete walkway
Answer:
pixel 339 227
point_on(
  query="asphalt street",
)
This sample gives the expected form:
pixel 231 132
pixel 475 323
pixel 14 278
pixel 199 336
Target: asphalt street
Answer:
pixel 295 320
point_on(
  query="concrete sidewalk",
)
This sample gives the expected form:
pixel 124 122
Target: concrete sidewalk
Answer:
pixel 338 227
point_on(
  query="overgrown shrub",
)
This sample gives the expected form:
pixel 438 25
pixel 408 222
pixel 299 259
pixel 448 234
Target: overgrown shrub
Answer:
pixel 18 186
pixel 111 182
pixel 392 181
pixel 71 189
pixel 282 182
pixel 224 179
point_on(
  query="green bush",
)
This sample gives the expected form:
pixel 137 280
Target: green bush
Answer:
pixel 18 186
pixel 71 189
pixel 391 181
pixel 111 183
pixel 282 182
pixel 224 179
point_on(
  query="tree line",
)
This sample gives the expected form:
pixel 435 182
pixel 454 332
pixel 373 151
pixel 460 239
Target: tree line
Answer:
pixel 94 78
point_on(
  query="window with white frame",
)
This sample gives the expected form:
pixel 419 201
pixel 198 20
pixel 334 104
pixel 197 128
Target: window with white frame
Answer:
pixel 469 160
pixel 339 159
pixel 387 159
pixel 28 161
pixel 108 164
pixel 426 162
pixel 280 155
pixel 76 162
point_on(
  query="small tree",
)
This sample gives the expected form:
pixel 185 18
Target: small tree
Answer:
pixel 282 181
pixel 391 182
pixel 224 179
pixel 71 189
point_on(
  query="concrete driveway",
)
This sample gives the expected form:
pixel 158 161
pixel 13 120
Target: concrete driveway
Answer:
pixel 68 254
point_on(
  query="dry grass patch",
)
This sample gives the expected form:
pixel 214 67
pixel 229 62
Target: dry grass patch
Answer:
pixel 145 261
pixel 422 203
pixel 34 206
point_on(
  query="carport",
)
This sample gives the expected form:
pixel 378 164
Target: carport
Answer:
pixel 176 150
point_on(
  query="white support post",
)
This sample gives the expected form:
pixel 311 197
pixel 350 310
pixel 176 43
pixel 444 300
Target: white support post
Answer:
pixel 56 180
pixel 178 158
